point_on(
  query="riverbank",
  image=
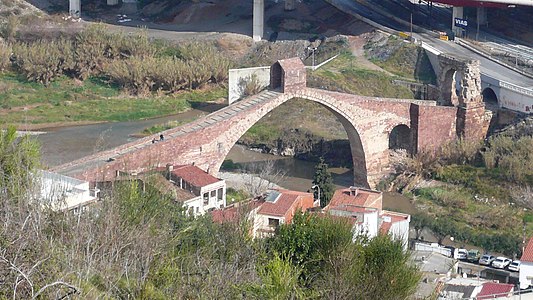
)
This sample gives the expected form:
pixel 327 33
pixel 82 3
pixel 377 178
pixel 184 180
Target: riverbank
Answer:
pixel 70 102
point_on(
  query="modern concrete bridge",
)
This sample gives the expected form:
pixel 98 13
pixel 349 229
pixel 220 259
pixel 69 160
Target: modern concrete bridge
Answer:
pixel 374 126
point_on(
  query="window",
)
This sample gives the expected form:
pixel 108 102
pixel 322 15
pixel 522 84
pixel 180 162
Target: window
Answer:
pixel 197 210
pixel 273 222
pixel 220 194
pixel 213 194
pixel 206 198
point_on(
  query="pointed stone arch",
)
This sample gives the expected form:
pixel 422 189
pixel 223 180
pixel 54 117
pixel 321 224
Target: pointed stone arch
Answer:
pixel 357 146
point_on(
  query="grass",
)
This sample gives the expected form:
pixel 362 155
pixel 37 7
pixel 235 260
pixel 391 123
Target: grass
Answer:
pixel 342 74
pixel 234 196
pixel 345 75
pixel 405 60
pixel 68 100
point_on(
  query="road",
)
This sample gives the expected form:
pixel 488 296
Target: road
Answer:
pixel 487 66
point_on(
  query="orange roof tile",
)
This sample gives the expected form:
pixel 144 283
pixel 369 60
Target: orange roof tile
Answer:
pixel 395 216
pixel 233 212
pixel 385 227
pixel 363 198
pixel 194 175
pixel 528 252
pixel 283 204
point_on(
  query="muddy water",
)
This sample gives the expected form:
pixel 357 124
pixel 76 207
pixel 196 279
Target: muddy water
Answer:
pixel 299 175
pixel 65 144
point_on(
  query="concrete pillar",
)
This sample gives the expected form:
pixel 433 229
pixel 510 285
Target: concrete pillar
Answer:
pixel 457 12
pixel 74 8
pixel 481 14
pixel 259 20
pixel 112 2
pixel 290 5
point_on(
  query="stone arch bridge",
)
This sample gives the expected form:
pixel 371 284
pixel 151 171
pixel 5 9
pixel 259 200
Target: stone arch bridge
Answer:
pixel 373 125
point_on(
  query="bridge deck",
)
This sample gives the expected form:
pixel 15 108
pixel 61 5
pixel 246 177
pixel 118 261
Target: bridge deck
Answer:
pixel 99 159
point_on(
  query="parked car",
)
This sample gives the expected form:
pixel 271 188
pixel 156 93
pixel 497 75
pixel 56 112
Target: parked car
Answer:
pixel 501 262
pixel 486 259
pixel 514 266
pixel 461 254
pixel 473 255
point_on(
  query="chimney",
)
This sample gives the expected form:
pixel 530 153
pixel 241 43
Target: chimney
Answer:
pixel 353 191
pixel 170 168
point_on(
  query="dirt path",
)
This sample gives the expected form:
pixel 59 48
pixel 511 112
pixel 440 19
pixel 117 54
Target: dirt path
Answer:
pixel 356 46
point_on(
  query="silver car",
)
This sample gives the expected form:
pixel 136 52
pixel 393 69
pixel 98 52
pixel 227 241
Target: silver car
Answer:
pixel 514 266
pixel 486 259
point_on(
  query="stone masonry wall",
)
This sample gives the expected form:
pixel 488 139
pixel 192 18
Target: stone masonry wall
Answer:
pixel 368 122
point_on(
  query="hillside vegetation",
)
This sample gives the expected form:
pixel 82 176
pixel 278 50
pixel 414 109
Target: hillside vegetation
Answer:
pixel 138 243
pixel 94 75
pixel 481 192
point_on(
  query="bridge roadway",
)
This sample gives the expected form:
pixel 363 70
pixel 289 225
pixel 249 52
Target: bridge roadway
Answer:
pixel 492 72
pixel 101 158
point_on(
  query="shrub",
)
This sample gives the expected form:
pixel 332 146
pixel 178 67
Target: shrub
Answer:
pixel 10 28
pixel 44 60
pixel 5 54
pixel 93 46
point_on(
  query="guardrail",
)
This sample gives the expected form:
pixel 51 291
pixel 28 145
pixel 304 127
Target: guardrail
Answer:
pixel 516 88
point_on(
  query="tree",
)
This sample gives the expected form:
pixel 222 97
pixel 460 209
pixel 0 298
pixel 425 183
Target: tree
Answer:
pixel 279 280
pixel 18 158
pixel 379 269
pixel 441 229
pixel 419 221
pixel 324 181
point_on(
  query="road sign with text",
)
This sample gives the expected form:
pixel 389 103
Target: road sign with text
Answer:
pixel 461 23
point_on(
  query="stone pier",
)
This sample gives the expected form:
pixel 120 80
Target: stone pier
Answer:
pixel 259 20
pixel 74 8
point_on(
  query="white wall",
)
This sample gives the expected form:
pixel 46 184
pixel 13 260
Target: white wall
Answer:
pixel 236 76
pixel 213 200
pixel 197 206
pixel 515 98
pixel 526 274
pixel 400 231
pixel 62 192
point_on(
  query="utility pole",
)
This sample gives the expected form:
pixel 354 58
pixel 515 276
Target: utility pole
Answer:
pixel 411 26
pixel 313 49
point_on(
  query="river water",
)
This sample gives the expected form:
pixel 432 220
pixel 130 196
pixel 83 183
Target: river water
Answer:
pixel 65 144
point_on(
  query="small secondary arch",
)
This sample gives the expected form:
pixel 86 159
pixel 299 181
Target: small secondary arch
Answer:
pixel 489 96
pixel 400 137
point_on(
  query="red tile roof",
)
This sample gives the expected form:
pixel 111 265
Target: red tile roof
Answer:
pixel 363 198
pixel 232 213
pixel 395 216
pixel 286 201
pixel 385 227
pixel 194 175
pixel 491 290
pixel 528 252
pixel 352 208
pixel 164 186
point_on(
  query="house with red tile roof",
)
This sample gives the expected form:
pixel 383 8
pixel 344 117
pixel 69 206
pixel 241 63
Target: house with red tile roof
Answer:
pixel 367 207
pixel 526 266
pixel 279 207
pixel 209 192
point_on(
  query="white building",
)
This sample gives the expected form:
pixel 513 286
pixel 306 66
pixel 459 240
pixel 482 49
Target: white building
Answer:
pixel 61 192
pixel 365 206
pixel 526 266
pixel 197 189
